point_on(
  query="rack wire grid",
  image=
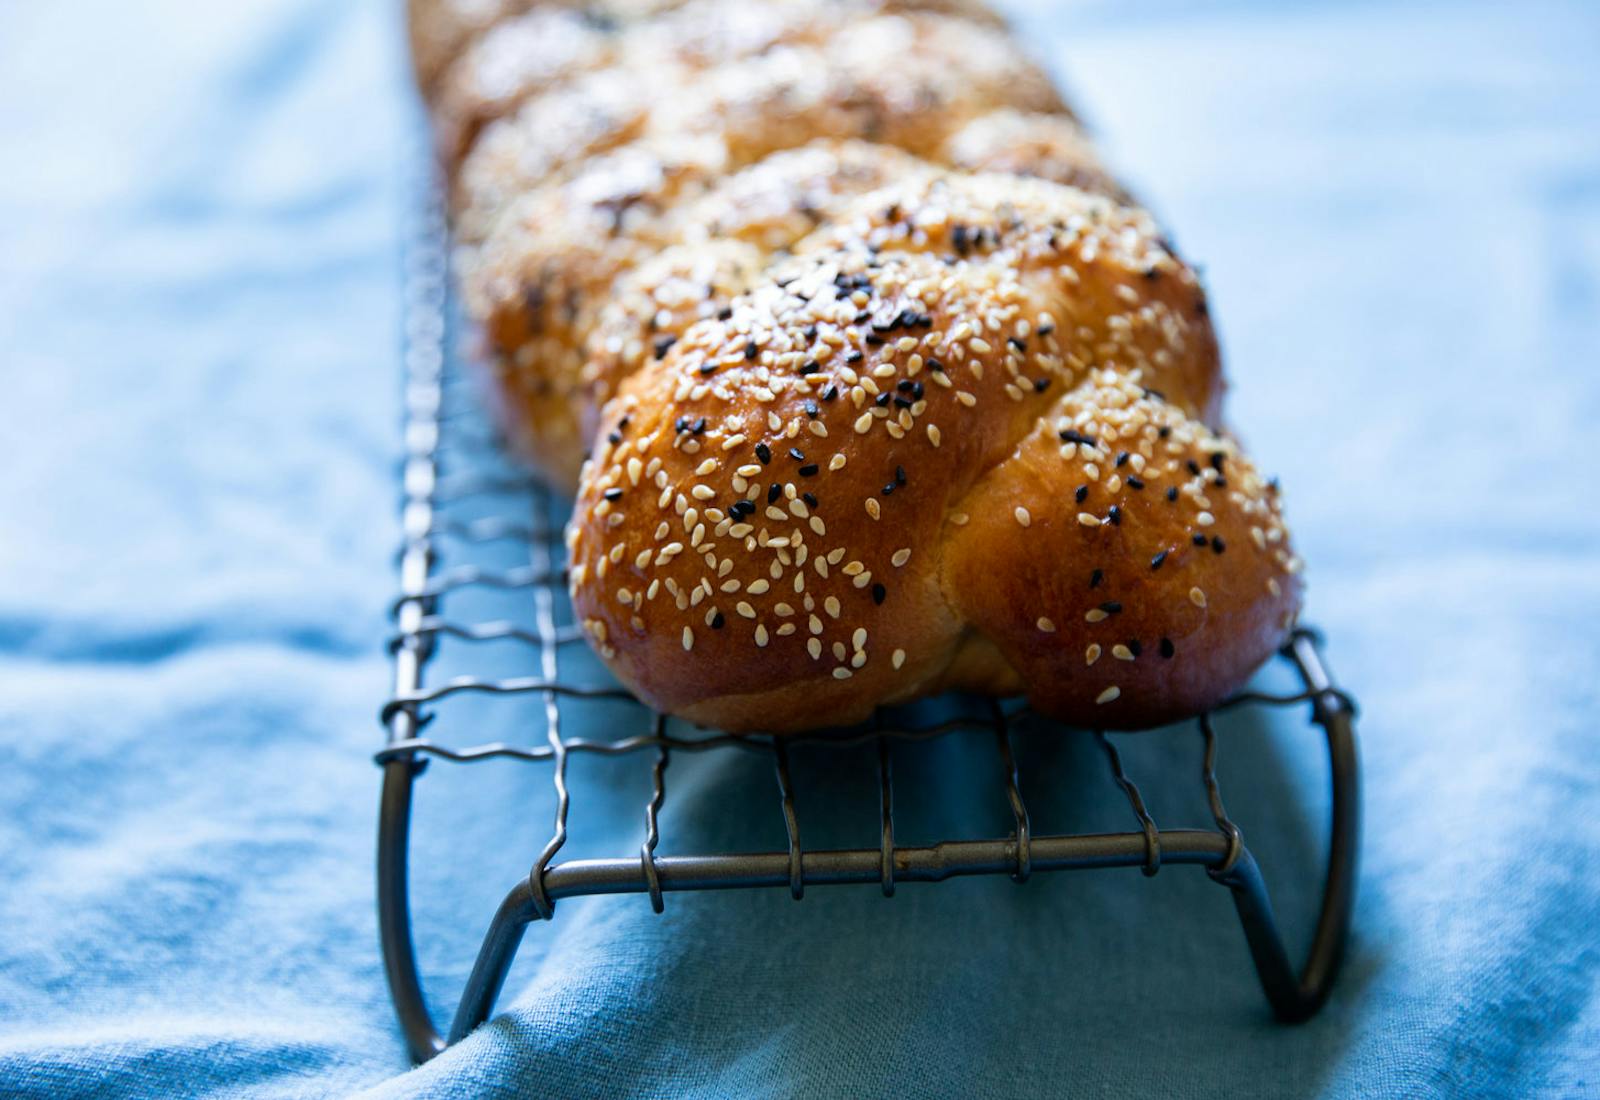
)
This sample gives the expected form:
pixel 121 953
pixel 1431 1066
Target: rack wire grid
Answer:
pixel 458 495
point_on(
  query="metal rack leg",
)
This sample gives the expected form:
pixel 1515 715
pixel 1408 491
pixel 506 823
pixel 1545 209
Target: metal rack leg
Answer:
pixel 1297 997
pixel 394 911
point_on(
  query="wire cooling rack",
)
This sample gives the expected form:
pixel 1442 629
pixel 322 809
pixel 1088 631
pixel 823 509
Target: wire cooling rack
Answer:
pixel 459 496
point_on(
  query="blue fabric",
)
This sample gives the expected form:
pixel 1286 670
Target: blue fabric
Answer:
pixel 1399 208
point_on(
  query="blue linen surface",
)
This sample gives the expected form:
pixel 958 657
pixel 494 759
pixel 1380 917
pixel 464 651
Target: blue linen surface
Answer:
pixel 1398 207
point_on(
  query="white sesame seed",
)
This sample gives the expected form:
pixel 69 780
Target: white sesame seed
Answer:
pixel 688 638
pixel 873 508
pixel 959 518
pixel 1109 695
pixel 1197 597
pixel 934 434
pixel 898 659
pixel 1046 625
pixel 842 674
pixel 901 556
pixel 1205 519
pixel 761 635
pixel 1122 653
pixel 814 647
pixel 1088 519
pixel 836 462
pixel 864 423
pixel 1274 587
pixel 1094 615
pixel 1023 517
pixel 1092 654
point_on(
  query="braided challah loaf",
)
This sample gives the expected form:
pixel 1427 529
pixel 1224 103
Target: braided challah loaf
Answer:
pixel 872 381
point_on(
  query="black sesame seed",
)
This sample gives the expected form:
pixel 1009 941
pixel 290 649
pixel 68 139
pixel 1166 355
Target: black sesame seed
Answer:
pixel 1216 460
pixel 1046 330
pixel 1194 467
pixel 1082 494
pixel 811 332
pixel 935 366
pixel 773 492
pixel 664 345
pixel 1155 562
pixel 889 488
pixel 853 357
pixel 904 385
pixel 613 494
pixel 613 438
pixel 882 399
pixel 1134 647
pixel 1199 539
pixel 1111 607
pixel 811 409
pixel 831 392
pixel 809 470
pixel 699 427
pixel 1096 577
pixel 1167 649
pixel 873 340
pixel 1164 431
pixel 903 402
pixel 718 621
pixel 899 475
pixel 1172 494
pixel 1020 345
pixel 1217 545
pixel 1040 385
pixel 708 368
pixel 764 453
pixel 879 593
pixel 725 313
pixel 1070 436
pixel 1134 482
pixel 1122 459
pixel 809 367
pixel 809 498
pixel 797 454
pixel 1114 514
pixel 751 350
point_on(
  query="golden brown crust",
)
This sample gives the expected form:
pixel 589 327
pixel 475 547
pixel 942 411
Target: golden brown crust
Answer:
pixel 807 508
pixel 551 256
pixel 867 421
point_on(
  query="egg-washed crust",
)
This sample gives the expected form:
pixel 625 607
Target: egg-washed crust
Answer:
pixel 533 53
pixel 964 436
pixel 566 287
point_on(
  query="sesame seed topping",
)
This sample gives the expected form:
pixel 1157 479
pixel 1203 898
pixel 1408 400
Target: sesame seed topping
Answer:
pixel 1022 515
pixel 1109 695
pixel 1197 597
pixel 898 658
pixel 1122 653
pixel 1088 519
pixel 1046 625
pixel 901 556
pixel 1092 654
pixel 688 638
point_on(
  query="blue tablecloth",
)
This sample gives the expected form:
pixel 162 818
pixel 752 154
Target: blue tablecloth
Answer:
pixel 1398 207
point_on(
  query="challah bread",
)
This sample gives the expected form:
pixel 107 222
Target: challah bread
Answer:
pixel 871 379
pixel 959 439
